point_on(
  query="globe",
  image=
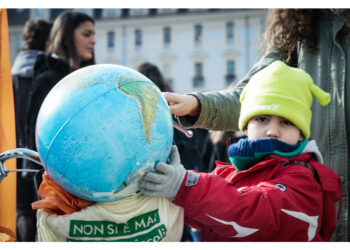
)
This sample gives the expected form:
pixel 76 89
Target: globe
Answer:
pixel 100 129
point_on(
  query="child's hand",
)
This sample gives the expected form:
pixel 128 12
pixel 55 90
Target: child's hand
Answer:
pixel 166 180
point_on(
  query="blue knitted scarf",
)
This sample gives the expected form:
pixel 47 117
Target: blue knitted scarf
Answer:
pixel 246 153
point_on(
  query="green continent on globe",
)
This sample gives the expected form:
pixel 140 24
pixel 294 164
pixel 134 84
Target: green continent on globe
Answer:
pixel 147 97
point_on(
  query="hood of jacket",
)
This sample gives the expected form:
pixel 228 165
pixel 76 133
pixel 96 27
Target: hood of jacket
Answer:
pixel 24 63
pixel 312 148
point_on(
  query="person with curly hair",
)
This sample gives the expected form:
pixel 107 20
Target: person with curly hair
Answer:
pixel 317 41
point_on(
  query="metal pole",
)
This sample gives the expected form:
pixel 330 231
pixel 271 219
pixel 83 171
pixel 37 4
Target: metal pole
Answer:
pixel 23 153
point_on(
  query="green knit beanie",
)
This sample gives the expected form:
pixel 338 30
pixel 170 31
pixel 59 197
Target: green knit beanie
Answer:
pixel 281 90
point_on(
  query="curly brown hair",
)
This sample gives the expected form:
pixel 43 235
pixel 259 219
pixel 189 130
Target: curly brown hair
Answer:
pixel 286 27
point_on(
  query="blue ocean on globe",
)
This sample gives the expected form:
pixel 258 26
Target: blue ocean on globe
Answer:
pixel 100 128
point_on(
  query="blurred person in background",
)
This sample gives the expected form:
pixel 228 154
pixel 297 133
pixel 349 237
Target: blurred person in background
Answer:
pixel 34 42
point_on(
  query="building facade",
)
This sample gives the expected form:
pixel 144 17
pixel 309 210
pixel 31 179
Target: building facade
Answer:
pixel 196 49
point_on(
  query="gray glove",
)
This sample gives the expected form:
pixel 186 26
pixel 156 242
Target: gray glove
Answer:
pixel 165 180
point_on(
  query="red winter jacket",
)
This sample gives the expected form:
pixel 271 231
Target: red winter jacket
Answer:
pixel 278 199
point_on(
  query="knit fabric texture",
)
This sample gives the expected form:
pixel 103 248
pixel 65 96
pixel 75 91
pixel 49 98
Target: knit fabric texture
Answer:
pixel 284 91
pixel 246 153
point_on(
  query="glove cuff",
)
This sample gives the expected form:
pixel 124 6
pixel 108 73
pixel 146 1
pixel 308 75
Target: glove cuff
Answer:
pixel 180 176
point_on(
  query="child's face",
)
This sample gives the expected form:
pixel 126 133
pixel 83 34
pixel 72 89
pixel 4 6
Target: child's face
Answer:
pixel 272 126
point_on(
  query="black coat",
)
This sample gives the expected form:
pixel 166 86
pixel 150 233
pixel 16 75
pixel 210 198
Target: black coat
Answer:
pixel 49 69
pixel 192 149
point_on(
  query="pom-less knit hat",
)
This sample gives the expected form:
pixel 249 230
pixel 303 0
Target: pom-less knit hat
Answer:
pixel 284 91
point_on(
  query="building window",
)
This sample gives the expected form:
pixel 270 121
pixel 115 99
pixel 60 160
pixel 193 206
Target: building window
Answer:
pixel 198 34
pixel 198 79
pixel 182 10
pixel 138 38
pixel 152 12
pixel 97 14
pixel 125 13
pixel 55 13
pixel 110 39
pixel 18 16
pixel 230 69
pixel 166 36
pixel 229 32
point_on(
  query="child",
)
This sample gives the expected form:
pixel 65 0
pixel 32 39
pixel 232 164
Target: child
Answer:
pixel 277 188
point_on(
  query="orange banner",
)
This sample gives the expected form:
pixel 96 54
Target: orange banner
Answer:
pixel 7 136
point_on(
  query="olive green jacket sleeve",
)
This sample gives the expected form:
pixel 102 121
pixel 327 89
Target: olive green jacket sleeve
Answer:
pixel 220 109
